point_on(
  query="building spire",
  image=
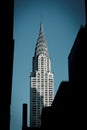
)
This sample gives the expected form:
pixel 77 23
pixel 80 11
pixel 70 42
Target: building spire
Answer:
pixel 41 28
pixel 41 20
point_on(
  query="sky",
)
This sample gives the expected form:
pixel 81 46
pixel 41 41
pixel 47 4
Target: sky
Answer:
pixel 61 21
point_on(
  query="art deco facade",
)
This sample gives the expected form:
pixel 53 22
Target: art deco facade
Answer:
pixel 41 81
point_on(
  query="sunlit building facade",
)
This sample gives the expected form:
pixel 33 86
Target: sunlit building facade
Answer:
pixel 41 81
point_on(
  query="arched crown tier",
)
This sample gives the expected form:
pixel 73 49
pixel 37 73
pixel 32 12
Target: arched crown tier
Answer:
pixel 41 46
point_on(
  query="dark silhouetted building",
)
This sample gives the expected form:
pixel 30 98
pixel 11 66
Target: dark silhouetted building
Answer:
pixel 77 58
pixel 58 115
pixel 24 121
pixel 68 109
pixel 6 61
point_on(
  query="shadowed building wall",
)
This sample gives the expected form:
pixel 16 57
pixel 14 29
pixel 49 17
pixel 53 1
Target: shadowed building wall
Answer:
pixel 68 109
pixel 6 61
pixel 24 120
pixel 77 58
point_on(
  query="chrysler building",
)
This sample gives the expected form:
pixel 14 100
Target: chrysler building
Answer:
pixel 41 81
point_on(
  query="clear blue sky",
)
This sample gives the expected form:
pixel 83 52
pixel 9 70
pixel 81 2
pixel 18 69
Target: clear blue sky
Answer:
pixel 61 21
